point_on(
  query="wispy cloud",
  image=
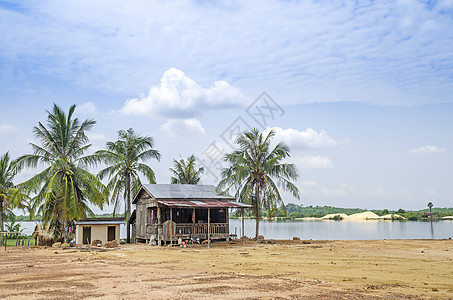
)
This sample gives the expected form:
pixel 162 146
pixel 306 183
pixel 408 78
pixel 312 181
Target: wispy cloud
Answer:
pixel 384 52
pixel 427 149
pixel 187 127
pixel 308 138
pixel 87 108
pixel 307 162
pixel 7 128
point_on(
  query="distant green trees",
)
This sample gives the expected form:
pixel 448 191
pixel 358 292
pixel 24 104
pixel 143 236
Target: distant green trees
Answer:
pixel 298 211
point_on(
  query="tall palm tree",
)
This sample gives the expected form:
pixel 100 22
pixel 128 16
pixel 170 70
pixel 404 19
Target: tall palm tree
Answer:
pixel 9 194
pixel 255 171
pixel 185 171
pixel 430 206
pixel 64 188
pixel 125 160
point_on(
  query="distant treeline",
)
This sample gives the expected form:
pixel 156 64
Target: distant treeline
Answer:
pixel 39 218
pixel 298 211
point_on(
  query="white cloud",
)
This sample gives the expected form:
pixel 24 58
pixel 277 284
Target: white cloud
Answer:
pixel 87 108
pixel 309 138
pixel 386 52
pixel 309 184
pixel 93 136
pixel 427 149
pixel 187 127
pixel 312 162
pixel 7 128
pixel 179 96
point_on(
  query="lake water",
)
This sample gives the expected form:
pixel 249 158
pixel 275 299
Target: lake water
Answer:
pixel 331 230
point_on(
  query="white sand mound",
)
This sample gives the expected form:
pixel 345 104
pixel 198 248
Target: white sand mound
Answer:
pixel 391 216
pixel 308 219
pixel 329 216
pixel 367 215
pixel 447 218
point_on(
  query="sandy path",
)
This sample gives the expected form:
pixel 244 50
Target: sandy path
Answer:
pixel 409 269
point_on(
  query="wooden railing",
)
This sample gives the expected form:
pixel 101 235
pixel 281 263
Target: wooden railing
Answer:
pixel 199 230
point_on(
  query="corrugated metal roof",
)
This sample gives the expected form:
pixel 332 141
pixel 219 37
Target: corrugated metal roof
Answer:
pixel 184 191
pixel 101 221
pixel 204 203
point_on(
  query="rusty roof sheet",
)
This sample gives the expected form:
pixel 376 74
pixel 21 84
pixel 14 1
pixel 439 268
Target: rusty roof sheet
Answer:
pixel 203 203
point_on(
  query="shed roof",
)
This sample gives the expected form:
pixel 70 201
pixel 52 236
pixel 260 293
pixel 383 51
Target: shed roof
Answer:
pixel 101 221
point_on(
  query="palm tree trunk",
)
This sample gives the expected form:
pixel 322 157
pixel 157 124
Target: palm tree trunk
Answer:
pixel 1 223
pixel 65 233
pixel 128 207
pixel 257 211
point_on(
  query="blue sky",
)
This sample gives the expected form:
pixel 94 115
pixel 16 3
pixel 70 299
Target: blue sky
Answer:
pixel 364 88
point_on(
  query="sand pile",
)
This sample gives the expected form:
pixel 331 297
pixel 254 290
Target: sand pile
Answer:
pixel 367 215
pixel 447 218
pixel 391 217
pixel 330 216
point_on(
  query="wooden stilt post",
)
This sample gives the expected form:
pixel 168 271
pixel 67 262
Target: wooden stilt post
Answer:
pixel 171 226
pixel 159 222
pixel 209 227
pixel 242 216
pixel 193 223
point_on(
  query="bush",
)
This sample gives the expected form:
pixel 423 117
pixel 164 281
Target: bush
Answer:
pixel 336 218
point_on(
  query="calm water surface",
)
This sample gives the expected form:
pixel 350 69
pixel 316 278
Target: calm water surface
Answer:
pixel 347 230
pixel 332 230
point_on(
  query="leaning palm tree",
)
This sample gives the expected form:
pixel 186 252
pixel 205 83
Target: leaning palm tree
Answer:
pixel 255 171
pixel 185 171
pixel 125 160
pixel 10 197
pixel 64 189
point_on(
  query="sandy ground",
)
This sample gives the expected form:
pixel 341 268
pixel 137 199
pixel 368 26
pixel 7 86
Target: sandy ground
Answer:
pixel 389 269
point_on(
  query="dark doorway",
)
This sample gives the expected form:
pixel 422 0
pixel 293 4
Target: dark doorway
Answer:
pixel 111 233
pixel 86 235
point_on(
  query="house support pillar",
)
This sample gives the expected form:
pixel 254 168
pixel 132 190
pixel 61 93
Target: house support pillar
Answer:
pixel 209 227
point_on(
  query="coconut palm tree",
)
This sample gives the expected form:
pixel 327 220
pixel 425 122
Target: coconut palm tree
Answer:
pixel 9 194
pixel 64 189
pixel 255 171
pixel 430 206
pixel 125 160
pixel 185 171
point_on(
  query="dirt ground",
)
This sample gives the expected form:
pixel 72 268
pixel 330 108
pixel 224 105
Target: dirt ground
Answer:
pixel 388 269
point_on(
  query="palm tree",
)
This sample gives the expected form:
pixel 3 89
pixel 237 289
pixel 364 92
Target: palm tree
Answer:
pixel 430 206
pixel 9 194
pixel 64 188
pixel 124 159
pixel 255 171
pixel 185 171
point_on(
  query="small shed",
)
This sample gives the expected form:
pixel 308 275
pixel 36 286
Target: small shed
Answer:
pixel 103 229
pixel 168 212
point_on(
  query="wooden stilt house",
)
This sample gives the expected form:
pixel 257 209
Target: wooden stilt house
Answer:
pixel 168 212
